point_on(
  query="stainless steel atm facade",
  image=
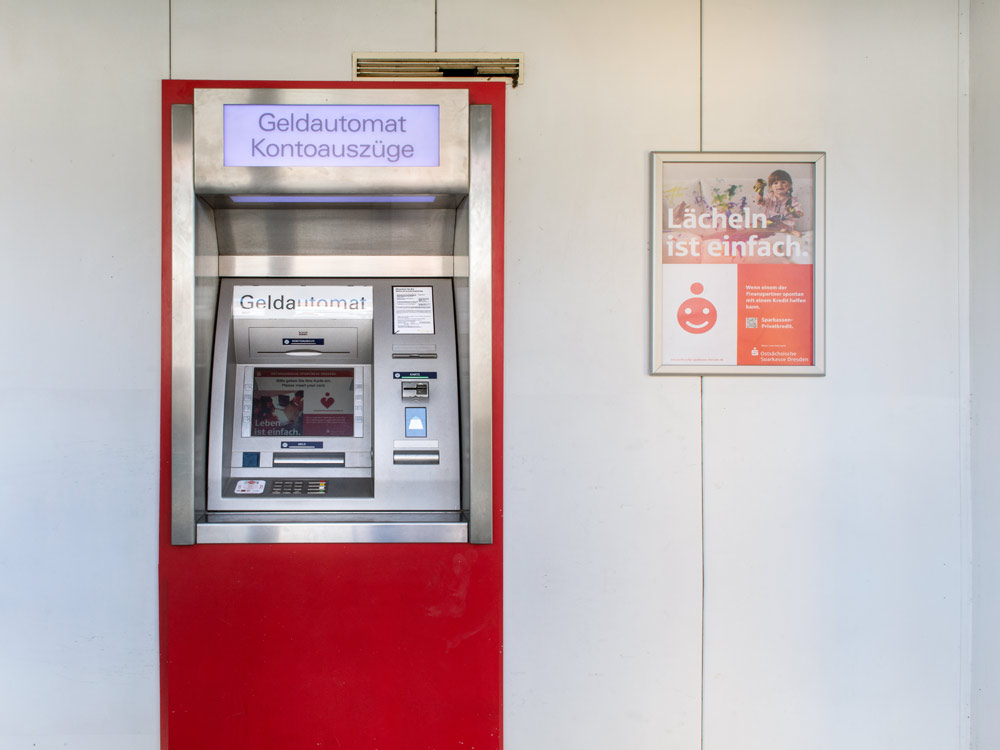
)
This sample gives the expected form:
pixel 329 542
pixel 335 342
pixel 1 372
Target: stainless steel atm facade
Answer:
pixel 331 316
pixel 276 629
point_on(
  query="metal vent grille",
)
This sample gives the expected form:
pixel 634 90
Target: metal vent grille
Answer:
pixel 439 65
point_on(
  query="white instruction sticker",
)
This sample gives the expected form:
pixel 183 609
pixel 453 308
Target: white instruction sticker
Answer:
pixel 412 309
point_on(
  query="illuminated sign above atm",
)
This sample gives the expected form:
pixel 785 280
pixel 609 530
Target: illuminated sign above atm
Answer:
pixel 331 135
pixel 335 145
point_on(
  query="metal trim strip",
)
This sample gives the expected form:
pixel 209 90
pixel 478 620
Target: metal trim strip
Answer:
pixel 182 373
pixel 481 325
pixel 424 532
pixel 332 266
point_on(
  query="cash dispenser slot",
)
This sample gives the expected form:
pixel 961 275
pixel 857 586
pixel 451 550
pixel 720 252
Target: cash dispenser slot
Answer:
pixel 333 460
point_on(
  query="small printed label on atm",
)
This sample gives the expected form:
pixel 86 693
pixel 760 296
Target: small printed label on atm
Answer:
pixel 412 309
pixel 303 342
pixel 406 375
pixel 301 444
pixel 250 487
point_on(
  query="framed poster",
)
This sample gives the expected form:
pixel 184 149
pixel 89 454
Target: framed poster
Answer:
pixel 738 259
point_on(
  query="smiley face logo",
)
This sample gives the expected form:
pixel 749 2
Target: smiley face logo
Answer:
pixel 697 314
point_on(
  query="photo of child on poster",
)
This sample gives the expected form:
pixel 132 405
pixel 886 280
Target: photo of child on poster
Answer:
pixel 738 213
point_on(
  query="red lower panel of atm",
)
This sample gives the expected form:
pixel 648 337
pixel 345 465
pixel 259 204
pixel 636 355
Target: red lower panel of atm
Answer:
pixel 280 647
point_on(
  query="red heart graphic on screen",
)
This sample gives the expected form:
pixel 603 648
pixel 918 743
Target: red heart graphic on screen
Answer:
pixel 327 402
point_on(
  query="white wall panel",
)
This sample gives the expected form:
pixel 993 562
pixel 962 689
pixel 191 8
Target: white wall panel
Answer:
pixel 833 538
pixel 832 528
pixel 293 39
pixel 985 262
pixel 79 227
pixel 602 476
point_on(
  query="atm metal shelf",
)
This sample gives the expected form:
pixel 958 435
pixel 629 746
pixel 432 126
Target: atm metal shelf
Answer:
pixel 304 528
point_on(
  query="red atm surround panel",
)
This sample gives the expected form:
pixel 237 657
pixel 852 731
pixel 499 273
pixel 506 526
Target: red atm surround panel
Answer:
pixel 332 646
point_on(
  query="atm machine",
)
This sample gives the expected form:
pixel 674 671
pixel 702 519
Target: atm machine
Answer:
pixel 295 425
pixel 331 541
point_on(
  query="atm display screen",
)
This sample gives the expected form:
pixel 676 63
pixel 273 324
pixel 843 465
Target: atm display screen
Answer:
pixel 307 402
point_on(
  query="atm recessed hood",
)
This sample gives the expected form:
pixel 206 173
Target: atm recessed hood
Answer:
pixel 416 216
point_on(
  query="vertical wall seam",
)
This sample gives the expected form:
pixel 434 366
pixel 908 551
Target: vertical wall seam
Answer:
pixel 701 387
pixel 435 25
pixel 170 39
pixel 701 74
pixel 701 461
pixel 964 242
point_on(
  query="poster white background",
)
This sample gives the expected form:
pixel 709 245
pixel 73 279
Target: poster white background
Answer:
pixel 717 345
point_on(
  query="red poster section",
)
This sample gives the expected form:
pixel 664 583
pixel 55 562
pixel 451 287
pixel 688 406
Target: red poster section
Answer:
pixel 774 315
pixel 360 646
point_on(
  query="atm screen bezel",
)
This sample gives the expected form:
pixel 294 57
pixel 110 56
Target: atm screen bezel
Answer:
pixel 242 442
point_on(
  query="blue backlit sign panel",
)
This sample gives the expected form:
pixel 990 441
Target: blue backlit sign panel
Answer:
pixel 331 135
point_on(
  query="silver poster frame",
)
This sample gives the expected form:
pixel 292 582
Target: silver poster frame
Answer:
pixel 659 162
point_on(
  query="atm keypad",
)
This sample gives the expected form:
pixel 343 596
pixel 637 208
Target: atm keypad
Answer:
pixel 298 487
